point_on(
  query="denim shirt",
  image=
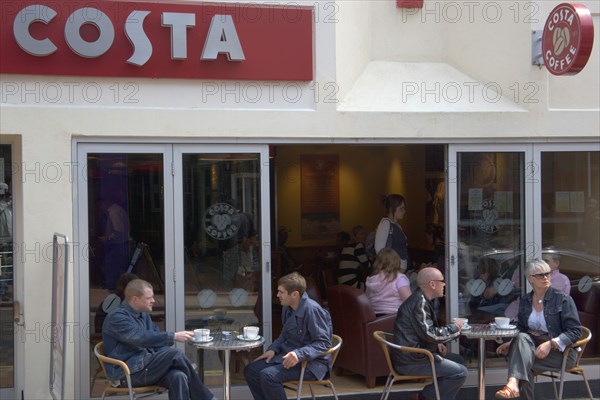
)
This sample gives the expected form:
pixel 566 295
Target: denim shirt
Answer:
pixel 560 313
pixel 306 331
pixel 129 336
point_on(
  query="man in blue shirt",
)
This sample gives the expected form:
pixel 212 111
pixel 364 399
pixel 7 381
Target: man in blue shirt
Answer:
pixel 130 335
pixel 306 334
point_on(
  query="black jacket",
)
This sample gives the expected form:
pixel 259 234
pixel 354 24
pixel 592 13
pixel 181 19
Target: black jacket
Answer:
pixel 416 326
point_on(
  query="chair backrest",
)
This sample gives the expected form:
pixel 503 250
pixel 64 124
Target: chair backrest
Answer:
pixel 586 336
pixel 335 348
pixel 99 352
pixel 380 337
pixel 102 359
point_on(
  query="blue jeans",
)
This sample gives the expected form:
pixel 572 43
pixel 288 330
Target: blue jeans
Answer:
pixel 265 380
pixel 451 375
pixel 172 369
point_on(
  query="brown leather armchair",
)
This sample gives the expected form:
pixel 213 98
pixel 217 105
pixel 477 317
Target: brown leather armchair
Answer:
pixel 354 320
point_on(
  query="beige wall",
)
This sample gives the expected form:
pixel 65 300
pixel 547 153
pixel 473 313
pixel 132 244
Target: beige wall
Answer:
pixel 366 172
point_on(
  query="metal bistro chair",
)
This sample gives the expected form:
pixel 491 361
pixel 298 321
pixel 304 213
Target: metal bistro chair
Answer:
pixel 130 390
pixel 579 347
pixel 394 376
pixel 334 350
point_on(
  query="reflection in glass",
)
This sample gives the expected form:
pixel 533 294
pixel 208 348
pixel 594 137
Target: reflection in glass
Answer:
pixel 6 267
pixel 221 203
pixel 490 247
pixel 126 234
pixel 571 231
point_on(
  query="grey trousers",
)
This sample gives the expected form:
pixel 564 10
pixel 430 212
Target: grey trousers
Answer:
pixel 523 365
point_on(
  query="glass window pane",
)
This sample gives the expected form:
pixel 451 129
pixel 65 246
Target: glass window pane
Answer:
pixel 222 248
pixel 126 234
pixel 6 268
pixel 490 232
pixel 571 231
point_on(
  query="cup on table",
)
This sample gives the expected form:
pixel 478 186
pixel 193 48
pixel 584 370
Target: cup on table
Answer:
pixel 201 335
pixel 502 322
pixel 251 332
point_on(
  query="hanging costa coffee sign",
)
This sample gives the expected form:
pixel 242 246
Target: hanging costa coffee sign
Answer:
pixel 567 39
pixel 158 40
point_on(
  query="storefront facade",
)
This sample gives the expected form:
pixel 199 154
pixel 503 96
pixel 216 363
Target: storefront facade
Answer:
pixel 207 164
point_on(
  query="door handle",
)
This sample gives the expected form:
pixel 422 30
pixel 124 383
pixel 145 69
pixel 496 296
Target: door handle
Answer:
pixel 17 313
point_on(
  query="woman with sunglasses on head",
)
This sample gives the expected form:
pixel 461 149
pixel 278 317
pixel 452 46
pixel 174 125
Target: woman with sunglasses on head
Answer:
pixel 548 322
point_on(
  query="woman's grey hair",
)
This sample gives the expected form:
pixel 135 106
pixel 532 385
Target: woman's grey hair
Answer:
pixel 536 266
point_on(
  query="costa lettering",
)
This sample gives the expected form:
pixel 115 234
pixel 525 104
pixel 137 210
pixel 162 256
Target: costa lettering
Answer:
pixel 222 37
pixel 567 39
pixel 179 40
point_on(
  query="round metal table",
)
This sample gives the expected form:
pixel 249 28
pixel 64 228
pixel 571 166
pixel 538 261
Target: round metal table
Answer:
pixel 485 332
pixel 227 345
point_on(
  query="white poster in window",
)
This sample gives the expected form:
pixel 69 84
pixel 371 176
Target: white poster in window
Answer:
pixel 475 199
pixel 577 202
pixel 562 200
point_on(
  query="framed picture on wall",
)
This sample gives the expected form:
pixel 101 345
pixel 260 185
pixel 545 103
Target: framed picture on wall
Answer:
pixel 320 195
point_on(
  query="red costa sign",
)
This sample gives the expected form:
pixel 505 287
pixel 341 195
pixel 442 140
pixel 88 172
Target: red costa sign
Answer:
pixel 157 40
pixel 567 39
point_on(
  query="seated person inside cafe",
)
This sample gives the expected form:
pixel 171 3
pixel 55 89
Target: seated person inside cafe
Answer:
pixel 306 333
pixel 130 335
pixel 353 266
pixel 548 322
pixel 489 303
pixel 416 326
pixel 388 287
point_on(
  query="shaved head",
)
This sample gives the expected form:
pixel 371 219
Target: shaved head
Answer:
pixel 428 274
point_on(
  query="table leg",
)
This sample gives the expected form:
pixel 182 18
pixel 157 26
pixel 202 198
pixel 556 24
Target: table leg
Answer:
pixel 200 365
pixel 226 383
pixel 481 369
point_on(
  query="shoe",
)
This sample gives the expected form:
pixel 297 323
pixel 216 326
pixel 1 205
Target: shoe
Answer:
pixel 507 393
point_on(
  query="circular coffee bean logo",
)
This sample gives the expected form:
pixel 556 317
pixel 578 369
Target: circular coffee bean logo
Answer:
pixel 567 39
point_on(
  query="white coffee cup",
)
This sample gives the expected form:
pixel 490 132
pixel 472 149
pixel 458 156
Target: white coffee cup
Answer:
pixel 502 322
pixel 201 335
pixel 251 332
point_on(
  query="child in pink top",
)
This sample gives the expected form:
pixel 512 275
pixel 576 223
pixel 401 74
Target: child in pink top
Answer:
pixel 388 287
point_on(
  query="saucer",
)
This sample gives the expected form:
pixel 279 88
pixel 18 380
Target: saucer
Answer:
pixel 210 339
pixel 466 327
pixel 241 337
pixel 507 328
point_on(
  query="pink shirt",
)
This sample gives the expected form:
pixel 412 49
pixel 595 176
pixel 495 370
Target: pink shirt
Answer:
pixel 383 294
pixel 560 282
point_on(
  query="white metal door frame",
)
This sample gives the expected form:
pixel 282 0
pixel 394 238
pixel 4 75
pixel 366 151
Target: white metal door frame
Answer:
pixel 81 232
pixel 263 152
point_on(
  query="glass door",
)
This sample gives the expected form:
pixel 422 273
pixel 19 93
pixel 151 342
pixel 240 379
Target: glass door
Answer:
pixel 488 199
pixel 125 193
pixel 7 274
pixel 570 227
pixel 222 244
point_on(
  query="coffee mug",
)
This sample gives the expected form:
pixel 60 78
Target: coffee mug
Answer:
pixel 502 322
pixel 251 332
pixel 201 335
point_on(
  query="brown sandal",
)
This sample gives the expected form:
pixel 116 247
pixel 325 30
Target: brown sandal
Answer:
pixel 506 393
